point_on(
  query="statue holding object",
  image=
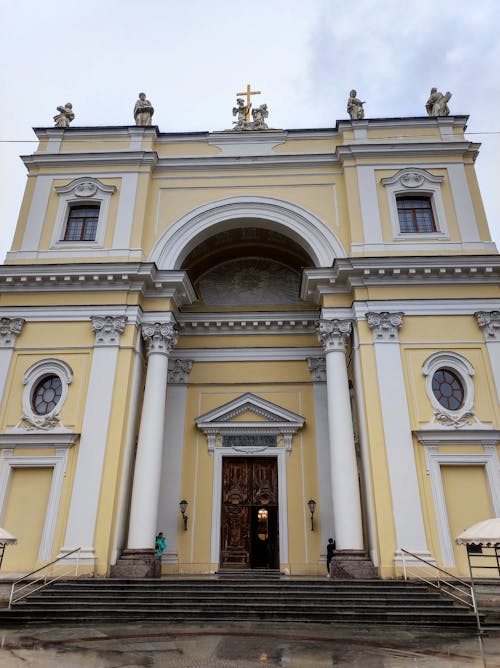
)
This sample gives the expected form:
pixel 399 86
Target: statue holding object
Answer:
pixel 143 110
pixel 355 106
pixel 65 116
pixel 437 104
pixel 241 110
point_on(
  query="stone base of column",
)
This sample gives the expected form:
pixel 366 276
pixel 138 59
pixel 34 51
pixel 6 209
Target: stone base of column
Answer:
pixel 137 564
pixel 352 565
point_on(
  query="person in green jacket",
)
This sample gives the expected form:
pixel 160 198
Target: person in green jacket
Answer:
pixel 160 544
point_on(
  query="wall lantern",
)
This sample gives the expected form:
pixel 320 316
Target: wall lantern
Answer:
pixel 183 506
pixel 312 507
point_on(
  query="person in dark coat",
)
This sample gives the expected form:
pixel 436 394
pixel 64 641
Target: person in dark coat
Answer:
pixel 330 551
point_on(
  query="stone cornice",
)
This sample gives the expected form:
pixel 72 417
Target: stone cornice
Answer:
pixel 302 322
pixel 144 278
pixel 409 149
pixel 91 159
pixel 347 274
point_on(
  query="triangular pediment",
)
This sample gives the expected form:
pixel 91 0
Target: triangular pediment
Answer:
pixel 249 408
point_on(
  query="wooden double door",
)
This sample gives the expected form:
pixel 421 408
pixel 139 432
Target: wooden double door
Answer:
pixel 249 520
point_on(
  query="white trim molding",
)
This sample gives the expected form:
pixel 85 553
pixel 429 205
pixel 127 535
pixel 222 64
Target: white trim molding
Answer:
pixel 288 219
pixel 84 190
pixel 431 440
pixel 272 420
pixel 57 462
pixel 464 415
pixel 416 182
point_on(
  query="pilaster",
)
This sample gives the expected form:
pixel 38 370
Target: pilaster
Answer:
pixel 92 448
pixel 169 517
pixel 10 329
pixel 406 503
pixel 489 322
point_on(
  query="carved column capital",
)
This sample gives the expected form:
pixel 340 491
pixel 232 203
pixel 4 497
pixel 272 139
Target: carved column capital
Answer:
pixel 317 367
pixel 334 334
pixel 159 337
pixel 10 328
pixel 179 371
pixel 108 329
pixel 385 325
pixel 489 322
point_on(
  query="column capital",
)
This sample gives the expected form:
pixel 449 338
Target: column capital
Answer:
pixel 317 367
pixel 10 328
pixel 160 337
pixel 179 371
pixel 489 322
pixel 108 329
pixel 334 334
pixel 385 325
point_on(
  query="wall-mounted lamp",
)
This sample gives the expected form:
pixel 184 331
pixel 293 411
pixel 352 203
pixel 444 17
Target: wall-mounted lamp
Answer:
pixel 183 506
pixel 312 507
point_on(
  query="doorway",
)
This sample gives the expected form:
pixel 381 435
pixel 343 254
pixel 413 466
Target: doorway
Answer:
pixel 249 514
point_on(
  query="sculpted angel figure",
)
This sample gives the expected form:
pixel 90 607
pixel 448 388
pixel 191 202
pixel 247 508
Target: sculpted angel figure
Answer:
pixel 433 98
pixel 440 107
pixel 258 115
pixel 143 110
pixel 437 104
pixel 355 106
pixel 241 111
pixel 65 116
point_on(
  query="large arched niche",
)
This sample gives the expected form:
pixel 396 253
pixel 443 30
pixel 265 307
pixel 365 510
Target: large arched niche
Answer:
pixel 303 231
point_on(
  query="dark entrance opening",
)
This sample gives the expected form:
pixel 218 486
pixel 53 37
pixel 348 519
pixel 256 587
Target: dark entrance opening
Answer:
pixel 249 515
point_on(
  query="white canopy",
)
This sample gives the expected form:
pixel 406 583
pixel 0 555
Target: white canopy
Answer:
pixel 7 538
pixel 486 533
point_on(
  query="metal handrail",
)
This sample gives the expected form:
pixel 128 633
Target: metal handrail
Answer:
pixel 43 579
pixel 442 584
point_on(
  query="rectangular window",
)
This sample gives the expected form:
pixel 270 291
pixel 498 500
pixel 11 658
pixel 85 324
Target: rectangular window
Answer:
pixel 415 215
pixel 82 223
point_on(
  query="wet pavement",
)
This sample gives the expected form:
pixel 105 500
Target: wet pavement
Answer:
pixel 245 645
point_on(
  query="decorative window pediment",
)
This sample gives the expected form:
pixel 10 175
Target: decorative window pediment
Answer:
pixel 413 183
pixel 250 423
pixel 75 195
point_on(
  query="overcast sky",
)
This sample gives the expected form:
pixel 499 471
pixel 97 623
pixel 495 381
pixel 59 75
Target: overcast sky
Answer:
pixel 192 56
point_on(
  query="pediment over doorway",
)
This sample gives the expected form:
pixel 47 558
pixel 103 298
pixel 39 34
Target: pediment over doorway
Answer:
pixel 251 418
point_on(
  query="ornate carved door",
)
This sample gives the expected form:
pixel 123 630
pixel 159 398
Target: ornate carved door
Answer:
pixel 249 492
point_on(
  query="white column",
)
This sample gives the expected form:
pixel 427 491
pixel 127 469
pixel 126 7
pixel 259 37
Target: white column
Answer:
pixel 10 328
pixel 344 472
pixel 159 338
pixel 406 503
pixel 169 516
pixel 489 321
pixel 84 504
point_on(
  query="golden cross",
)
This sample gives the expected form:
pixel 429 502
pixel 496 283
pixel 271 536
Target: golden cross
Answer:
pixel 249 92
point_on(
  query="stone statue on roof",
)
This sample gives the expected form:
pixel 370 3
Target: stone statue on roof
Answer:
pixel 259 114
pixel 65 116
pixel 355 106
pixel 143 110
pixel 437 104
pixel 240 111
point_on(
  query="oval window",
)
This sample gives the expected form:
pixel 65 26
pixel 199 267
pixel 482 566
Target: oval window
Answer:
pixel 448 389
pixel 46 395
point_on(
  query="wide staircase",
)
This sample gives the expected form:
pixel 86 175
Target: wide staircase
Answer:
pixel 238 597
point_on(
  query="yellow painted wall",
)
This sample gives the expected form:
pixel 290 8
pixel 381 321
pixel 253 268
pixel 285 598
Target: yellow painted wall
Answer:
pixel 468 501
pixel 26 506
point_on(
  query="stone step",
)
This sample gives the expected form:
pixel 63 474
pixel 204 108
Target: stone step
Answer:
pixel 208 599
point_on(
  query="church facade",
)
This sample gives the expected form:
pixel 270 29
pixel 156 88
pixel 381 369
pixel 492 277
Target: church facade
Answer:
pixel 294 333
